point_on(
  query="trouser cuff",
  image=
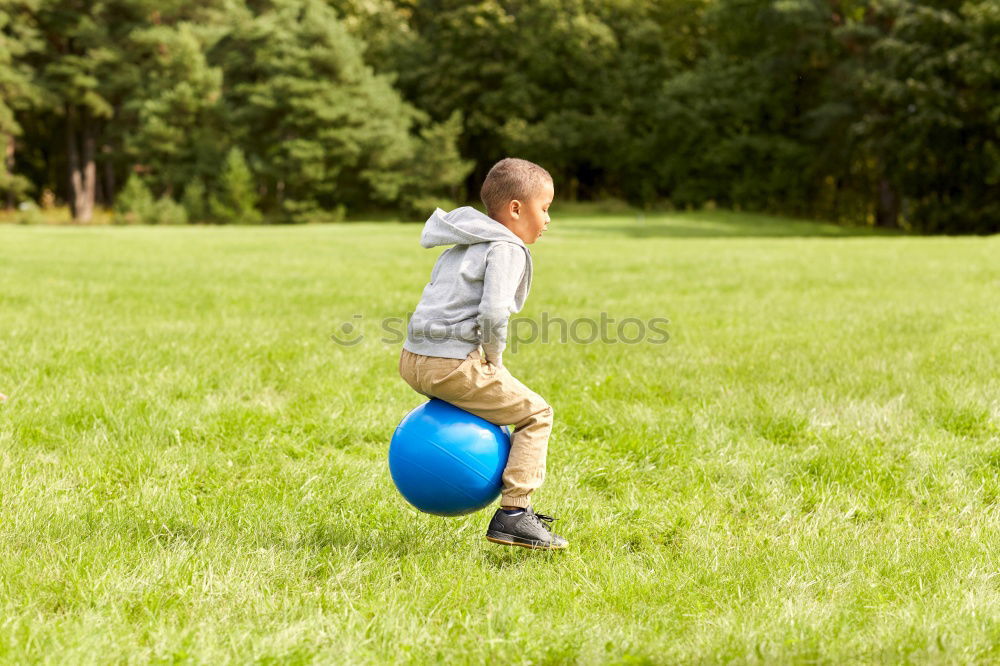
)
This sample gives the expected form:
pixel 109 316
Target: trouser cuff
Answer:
pixel 523 501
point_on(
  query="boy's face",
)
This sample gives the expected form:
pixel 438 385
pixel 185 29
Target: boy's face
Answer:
pixel 529 218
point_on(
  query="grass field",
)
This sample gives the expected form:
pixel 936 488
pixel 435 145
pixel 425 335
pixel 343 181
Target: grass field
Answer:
pixel 808 471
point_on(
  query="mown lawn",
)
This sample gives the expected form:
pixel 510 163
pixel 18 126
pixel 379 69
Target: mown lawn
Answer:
pixel 191 469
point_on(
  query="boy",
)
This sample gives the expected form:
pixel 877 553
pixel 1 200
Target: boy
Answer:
pixel 457 334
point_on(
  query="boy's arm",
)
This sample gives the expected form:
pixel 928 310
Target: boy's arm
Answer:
pixel 504 267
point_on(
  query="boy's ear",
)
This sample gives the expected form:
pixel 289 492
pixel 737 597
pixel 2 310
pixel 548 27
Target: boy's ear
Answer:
pixel 515 208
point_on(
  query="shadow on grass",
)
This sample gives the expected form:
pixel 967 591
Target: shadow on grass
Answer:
pixel 396 544
pixel 362 544
pixel 715 224
pixel 502 558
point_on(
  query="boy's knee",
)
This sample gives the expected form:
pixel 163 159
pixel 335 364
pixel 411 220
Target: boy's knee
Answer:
pixel 536 414
pixel 546 414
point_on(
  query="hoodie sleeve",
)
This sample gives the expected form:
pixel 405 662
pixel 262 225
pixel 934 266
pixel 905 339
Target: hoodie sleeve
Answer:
pixel 504 267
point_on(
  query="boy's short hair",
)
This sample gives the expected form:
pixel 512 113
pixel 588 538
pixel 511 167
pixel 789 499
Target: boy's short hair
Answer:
pixel 511 178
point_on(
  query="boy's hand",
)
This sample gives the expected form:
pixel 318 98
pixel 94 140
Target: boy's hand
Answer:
pixel 484 358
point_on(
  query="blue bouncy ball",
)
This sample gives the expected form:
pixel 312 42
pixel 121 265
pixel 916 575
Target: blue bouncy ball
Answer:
pixel 447 461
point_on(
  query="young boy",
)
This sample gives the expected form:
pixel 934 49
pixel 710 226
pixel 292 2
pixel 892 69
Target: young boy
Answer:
pixel 458 332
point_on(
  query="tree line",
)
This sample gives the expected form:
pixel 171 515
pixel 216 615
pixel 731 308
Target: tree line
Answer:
pixel 866 112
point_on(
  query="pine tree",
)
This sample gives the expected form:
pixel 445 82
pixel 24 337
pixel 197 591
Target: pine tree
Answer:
pixel 18 92
pixel 194 200
pixel 325 129
pixel 172 114
pixel 134 204
pixel 234 199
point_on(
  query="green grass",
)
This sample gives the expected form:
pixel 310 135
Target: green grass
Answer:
pixel 808 471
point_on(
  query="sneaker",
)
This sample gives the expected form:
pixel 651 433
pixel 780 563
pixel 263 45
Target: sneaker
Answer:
pixel 526 529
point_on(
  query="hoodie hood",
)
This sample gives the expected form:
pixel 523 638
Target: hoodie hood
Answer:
pixel 464 226
pixel 467 226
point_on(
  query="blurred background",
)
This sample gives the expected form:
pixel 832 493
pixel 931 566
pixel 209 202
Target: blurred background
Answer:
pixel 881 114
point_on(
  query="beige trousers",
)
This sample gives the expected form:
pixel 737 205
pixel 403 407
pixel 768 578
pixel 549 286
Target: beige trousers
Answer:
pixel 492 393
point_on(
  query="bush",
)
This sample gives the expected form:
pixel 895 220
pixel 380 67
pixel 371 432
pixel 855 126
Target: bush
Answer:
pixel 168 211
pixel 235 199
pixel 194 201
pixel 433 174
pixel 134 204
pixel 28 212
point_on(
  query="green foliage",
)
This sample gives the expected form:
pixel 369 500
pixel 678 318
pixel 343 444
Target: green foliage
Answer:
pixel 865 113
pixel 19 91
pixel 325 130
pixel 134 203
pixel 925 81
pixel 168 211
pixel 173 113
pixel 543 80
pixel 195 200
pixel 234 198
pixel 28 212
pixel 432 175
pixel 728 130
pixel 12 185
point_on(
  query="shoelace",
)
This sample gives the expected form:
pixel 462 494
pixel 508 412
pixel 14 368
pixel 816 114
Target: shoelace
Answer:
pixel 542 518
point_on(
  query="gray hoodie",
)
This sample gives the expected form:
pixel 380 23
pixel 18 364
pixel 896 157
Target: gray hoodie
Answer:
pixel 475 286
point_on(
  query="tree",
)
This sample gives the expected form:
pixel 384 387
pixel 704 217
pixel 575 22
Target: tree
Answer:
pixel 235 198
pixel 563 82
pixel 108 72
pixel 320 127
pixel 194 201
pixel 18 91
pixel 134 204
pixel 172 117
pixel 81 56
pixel 923 80
pixel 883 113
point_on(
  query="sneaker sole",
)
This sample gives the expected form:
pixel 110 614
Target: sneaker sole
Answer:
pixel 509 540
